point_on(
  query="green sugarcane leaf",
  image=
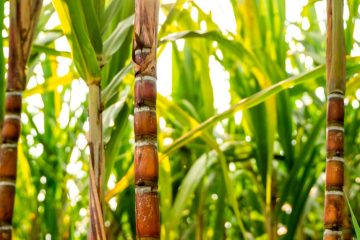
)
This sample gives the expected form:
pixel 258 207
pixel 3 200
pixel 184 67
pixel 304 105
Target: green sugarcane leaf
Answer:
pixel 51 84
pixel 118 36
pixel 110 13
pixel 285 127
pixel 305 157
pixel 245 103
pixel 92 25
pixel 188 76
pixel 256 99
pixel 77 16
pixel 301 194
pixel 49 37
pixel 73 23
pixel 112 88
pixel 50 51
pixel 353 218
pixel 166 190
pixel 99 6
pixel 166 107
pixel 172 15
pixel 47 12
pixel 115 134
pixel 111 112
pixel 350 24
pixel 189 184
pixel 64 15
pixel 235 47
pixel 115 10
pixel 220 213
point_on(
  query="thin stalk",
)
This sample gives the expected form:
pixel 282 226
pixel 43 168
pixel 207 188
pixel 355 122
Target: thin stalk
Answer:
pixel 335 77
pixel 23 18
pixel 147 211
pixel 97 163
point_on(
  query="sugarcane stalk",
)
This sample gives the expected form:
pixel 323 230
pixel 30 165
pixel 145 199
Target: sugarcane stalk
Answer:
pixel 23 18
pixel 97 163
pixel 147 211
pixel 335 80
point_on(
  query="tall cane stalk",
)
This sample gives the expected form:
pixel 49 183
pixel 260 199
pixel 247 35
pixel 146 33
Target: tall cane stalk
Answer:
pixel 97 162
pixel 145 125
pixel 23 19
pixel 335 74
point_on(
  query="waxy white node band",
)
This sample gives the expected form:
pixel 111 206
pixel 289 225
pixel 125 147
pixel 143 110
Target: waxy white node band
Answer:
pixel 332 232
pixel 137 52
pixel 145 189
pixel 6 228
pixel 142 51
pixel 146 142
pixel 337 159
pixel 16 93
pixel 335 128
pixel 9 145
pixel 144 109
pixel 7 183
pixel 13 116
pixel 335 95
pixel 338 193
pixel 146 78
pixel 149 78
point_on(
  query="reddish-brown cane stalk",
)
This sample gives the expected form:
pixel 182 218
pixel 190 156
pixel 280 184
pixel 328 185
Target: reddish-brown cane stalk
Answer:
pixel 145 125
pixel 335 75
pixel 23 18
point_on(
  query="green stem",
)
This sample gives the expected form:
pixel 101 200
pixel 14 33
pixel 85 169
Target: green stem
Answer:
pixel 97 230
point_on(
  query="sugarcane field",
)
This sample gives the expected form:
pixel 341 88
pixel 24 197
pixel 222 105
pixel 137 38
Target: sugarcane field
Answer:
pixel 180 120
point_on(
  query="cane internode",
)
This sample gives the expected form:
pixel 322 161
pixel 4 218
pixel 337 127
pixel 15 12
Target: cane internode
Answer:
pixel 147 217
pixel 335 175
pixel 13 102
pixel 8 156
pixel 145 91
pixel 7 191
pixel 145 124
pixel 146 170
pixel 334 205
